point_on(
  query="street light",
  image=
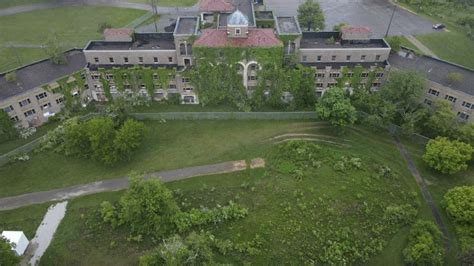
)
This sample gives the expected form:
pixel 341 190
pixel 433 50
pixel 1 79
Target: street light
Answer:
pixel 391 18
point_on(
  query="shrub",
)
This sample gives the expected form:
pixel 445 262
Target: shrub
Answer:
pixel 10 76
pixel 26 132
pixel 174 98
pixel 425 245
pixel 460 204
pixel 448 157
pixel 7 256
pixel 400 214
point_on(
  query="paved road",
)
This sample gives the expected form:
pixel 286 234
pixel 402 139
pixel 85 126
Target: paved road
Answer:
pixel 122 183
pixel 114 3
pixel 373 13
pixel 424 190
pixel 425 50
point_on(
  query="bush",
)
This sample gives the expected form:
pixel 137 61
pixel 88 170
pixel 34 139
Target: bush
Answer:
pixel 448 157
pixel 460 204
pixel 174 98
pixel 400 215
pixel 425 245
pixel 455 77
pixel 10 76
pixel 7 256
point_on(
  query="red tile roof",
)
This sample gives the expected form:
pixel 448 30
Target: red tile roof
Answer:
pixel 256 38
pixel 356 29
pixel 216 6
pixel 110 33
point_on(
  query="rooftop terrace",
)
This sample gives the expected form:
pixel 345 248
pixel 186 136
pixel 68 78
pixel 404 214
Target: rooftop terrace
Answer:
pixel 331 40
pixel 186 26
pixel 143 41
pixel 287 26
pixel 40 73
pixel 436 70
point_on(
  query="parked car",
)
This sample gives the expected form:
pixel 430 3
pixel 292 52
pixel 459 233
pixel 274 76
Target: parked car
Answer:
pixel 439 26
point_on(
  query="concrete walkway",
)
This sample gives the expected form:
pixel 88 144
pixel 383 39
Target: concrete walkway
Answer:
pixel 122 183
pixel 112 3
pixel 425 50
pixel 424 190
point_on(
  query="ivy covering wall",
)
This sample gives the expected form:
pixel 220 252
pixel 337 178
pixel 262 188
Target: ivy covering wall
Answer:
pixel 67 88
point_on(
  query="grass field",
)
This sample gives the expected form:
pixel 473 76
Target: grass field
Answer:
pixel 74 26
pixel 168 2
pixel 294 218
pixel 453 44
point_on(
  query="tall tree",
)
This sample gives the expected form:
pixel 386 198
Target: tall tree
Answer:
pixel 7 257
pixel 442 121
pixel 311 16
pixel 448 157
pixel 336 108
pixel 7 128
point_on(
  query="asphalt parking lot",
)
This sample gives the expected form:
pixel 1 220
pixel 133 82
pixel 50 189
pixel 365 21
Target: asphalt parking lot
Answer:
pixel 373 13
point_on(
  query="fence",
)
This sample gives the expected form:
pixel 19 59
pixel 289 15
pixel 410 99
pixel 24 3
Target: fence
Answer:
pixel 226 116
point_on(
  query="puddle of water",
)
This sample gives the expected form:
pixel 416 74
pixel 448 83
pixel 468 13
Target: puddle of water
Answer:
pixel 46 230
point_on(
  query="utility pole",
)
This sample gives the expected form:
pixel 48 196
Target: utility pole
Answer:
pixel 391 18
pixel 155 13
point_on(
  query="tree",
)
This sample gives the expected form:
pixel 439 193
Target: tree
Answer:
pixel 103 26
pixel 455 77
pixel 7 128
pixel 147 208
pixel 127 139
pixel 101 134
pixel 425 245
pixel 55 51
pixel 448 157
pixel 466 133
pixel 310 16
pixel 442 121
pixel 395 43
pixel 460 204
pixel 336 108
pixel 339 26
pixel 7 255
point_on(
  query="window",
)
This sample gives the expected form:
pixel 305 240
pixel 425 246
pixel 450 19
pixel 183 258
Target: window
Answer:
pixel 41 96
pixel 125 59
pixel 252 78
pixel 463 115
pixel 109 76
pixel 171 86
pixel 45 106
pixel 349 74
pixel 253 67
pixel 319 58
pixel 433 92
pixel 333 58
pixel 332 84
pixel 468 105
pixel 155 59
pixel 8 109
pixel 320 75
pixel 29 112
pixel 428 102
pixel 348 58
pixel 96 59
pixel 14 119
pixel 111 60
pixel 319 85
pixel 155 76
pixel 24 102
pixel 187 89
pixel 377 58
pixel 170 59
pixel 185 80
pixel 140 59
pixel 450 98
pixel 95 76
pixel 364 74
pixel 59 100
pixel 304 58
pixel 237 31
pixel 362 57
pixel 379 74
pixel 376 84
pixel 333 75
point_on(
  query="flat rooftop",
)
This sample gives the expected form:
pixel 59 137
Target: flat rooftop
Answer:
pixel 323 40
pixel 435 70
pixel 143 41
pixel 186 26
pixel 287 26
pixel 40 73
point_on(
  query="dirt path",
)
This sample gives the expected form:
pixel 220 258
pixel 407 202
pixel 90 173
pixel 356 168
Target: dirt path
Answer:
pixel 425 50
pixel 424 190
pixel 122 183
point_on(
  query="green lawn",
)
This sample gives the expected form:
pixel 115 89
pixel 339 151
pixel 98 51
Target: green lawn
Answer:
pixel 12 3
pixel 74 26
pixel 295 219
pixel 168 2
pixel 406 43
pixel 452 44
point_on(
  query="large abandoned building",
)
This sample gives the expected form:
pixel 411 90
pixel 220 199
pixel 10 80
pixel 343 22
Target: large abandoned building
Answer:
pixel 155 65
